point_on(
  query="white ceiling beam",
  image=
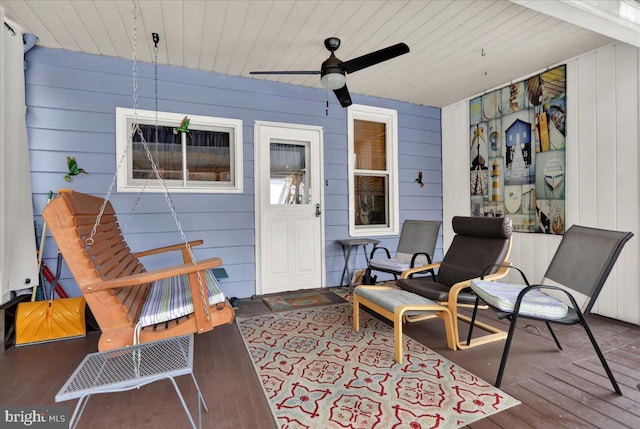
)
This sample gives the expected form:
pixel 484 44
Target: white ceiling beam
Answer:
pixel 587 15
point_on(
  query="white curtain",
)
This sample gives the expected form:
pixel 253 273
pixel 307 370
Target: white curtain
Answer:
pixel 18 259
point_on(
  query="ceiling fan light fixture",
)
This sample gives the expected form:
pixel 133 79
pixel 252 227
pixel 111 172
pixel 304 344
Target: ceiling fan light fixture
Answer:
pixel 333 81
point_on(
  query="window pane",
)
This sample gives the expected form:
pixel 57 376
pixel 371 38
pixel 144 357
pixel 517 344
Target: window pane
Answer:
pixel 166 149
pixel 370 145
pixel 371 200
pixel 288 174
pixel 208 156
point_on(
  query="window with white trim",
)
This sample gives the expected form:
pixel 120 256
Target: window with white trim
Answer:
pixel 206 156
pixel 373 171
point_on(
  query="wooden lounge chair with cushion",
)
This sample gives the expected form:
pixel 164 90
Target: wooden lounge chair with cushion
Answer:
pixel 479 243
pixel 123 296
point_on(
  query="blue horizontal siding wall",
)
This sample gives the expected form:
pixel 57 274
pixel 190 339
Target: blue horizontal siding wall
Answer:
pixel 71 101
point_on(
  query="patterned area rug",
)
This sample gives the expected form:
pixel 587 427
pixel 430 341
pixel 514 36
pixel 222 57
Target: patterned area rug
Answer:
pixel 317 372
pixel 296 300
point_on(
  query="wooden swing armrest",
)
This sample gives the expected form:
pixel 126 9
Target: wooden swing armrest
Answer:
pixel 405 274
pixel 149 276
pixel 170 248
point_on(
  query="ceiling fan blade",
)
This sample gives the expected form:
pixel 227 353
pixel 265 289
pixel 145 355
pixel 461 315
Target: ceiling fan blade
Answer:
pixel 343 96
pixel 376 57
pixel 287 72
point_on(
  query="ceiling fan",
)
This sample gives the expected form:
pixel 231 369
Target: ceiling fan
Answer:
pixel 333 71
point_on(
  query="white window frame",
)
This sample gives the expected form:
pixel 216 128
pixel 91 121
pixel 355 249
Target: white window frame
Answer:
pixel 125 183
pixel 390 118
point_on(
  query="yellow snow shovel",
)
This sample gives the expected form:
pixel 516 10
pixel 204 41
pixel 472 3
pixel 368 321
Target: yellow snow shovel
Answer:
pixel 50 320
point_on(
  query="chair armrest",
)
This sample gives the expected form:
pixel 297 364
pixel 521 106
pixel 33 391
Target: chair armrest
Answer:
pixel 415 255
pixel 149 276
pixel 502 271
pixel 170 248
pixel 373 251
pixel 420 269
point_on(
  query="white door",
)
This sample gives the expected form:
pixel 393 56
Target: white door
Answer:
pixel 288 196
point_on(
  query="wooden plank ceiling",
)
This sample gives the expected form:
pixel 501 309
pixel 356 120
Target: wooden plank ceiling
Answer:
pixel 459 48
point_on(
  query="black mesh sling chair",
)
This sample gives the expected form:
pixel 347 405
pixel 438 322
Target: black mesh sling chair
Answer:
pixel 570 287
pixel 415 247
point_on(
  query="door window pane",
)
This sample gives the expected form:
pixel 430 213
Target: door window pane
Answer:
pixel 289 178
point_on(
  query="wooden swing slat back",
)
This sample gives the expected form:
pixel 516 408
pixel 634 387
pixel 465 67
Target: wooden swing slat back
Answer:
pixel 113 280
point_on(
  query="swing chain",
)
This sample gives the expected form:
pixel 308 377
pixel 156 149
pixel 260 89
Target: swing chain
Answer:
pixel 136 129
pixel 134 49
pixel 167 197
pixel 90 241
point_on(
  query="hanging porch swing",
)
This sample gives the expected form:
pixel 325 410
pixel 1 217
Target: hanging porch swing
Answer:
pixel 129 303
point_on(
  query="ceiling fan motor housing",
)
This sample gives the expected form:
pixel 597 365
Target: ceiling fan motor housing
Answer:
pixel 332 43
pixel 331 65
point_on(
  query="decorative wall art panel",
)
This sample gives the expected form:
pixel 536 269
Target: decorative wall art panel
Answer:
pixel 517 153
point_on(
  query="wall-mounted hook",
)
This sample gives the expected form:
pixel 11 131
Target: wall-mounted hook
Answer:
pixel 483 53
pixel 156 39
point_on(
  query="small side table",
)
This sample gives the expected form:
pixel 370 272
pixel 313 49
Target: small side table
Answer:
pixel 129 368
pixel 347 245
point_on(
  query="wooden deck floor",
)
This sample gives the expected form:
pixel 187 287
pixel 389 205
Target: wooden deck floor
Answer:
pixel 567 389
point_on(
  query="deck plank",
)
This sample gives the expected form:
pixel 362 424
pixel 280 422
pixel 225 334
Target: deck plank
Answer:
pixel 552 404
pixel 619 408
pixel 625 377
pixel 596 412
pixel 596 375
pixel 510 419
pixel 538 411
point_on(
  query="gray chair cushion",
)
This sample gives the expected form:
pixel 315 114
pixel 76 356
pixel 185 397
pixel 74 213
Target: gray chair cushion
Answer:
pixel 389 264
pixel 390 299
pixel 535 303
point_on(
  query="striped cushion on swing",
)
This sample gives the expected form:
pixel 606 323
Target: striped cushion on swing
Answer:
pixel 170 298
